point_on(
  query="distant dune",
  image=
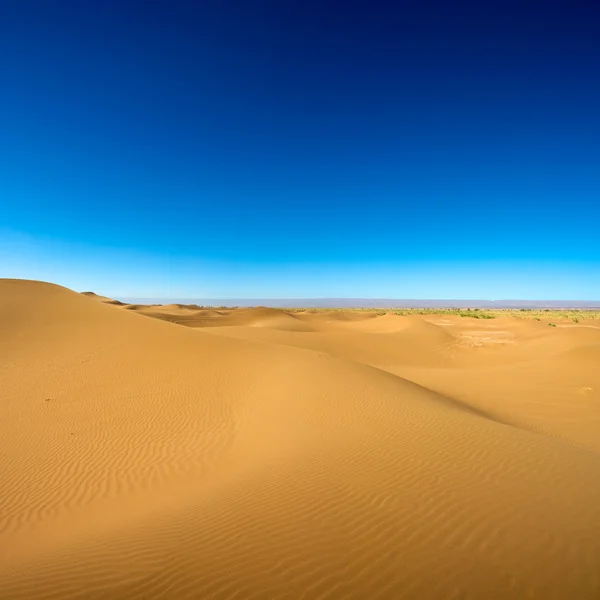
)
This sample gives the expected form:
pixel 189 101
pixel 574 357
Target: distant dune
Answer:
pixel 373 303
pixel 184 452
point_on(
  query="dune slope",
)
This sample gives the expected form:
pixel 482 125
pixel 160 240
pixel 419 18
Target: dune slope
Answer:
pixel 142 459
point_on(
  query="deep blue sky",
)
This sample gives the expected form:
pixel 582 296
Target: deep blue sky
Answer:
pixel 302 148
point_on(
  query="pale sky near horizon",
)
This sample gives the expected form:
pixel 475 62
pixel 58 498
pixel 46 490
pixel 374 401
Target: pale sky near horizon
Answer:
pixel 296 150
pixel 141 275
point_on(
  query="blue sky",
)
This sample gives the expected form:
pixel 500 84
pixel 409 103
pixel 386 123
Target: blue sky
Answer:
pixel 302 149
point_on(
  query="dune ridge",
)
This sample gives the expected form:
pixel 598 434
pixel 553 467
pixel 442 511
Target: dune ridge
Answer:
pixel 257 453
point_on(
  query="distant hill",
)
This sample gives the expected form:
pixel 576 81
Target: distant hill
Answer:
pixel 369 303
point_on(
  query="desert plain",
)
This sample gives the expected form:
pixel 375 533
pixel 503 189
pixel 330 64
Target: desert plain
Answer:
pixel 184 452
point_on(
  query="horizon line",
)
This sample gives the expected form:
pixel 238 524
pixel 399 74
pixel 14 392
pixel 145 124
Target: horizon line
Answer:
pixel 375 303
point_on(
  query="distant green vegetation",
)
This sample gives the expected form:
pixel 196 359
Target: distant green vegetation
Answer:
pixel 573 315
pixel 475 313
pixel 538 314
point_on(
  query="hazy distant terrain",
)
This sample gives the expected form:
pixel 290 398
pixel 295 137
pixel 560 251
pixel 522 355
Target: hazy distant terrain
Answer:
pixel 367 303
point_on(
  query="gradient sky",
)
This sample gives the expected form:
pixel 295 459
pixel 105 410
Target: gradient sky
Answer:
pixel 298 148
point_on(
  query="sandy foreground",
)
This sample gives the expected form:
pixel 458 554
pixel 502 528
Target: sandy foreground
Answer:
pixel 259 454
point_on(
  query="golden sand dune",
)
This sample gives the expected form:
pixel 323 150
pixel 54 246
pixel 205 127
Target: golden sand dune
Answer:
pixel 381 457
pixel 246 317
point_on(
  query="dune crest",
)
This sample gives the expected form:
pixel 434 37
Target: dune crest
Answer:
pixel 267 454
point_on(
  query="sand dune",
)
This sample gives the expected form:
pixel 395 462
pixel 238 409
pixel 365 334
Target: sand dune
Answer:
pixel 264 454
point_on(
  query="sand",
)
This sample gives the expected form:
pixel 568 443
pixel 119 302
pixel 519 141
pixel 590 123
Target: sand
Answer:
pixel 264 454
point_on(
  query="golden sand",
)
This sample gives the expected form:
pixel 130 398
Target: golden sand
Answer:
pixel 264 454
